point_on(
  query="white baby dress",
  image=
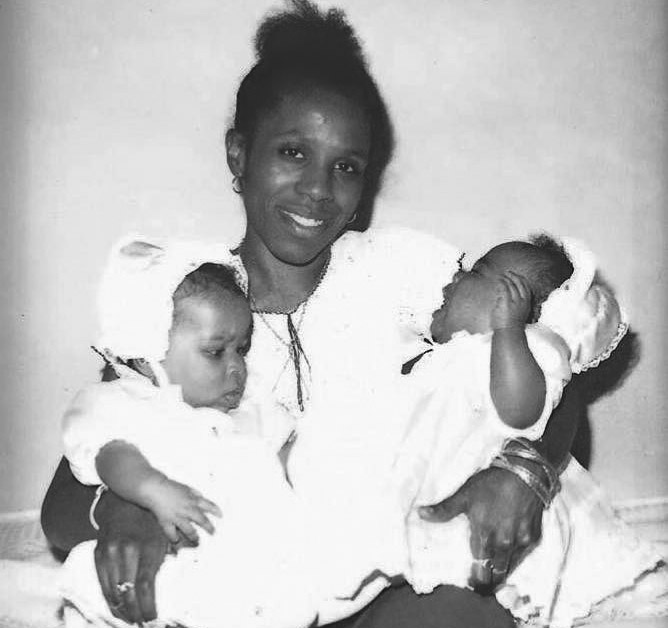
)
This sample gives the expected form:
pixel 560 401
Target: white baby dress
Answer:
pixel 586 553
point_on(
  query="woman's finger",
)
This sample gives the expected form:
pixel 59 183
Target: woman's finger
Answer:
pixel 106 565
pixel 481 569
pixel 501 557
pixel 149 564
pixel 525 534
pixel 127 583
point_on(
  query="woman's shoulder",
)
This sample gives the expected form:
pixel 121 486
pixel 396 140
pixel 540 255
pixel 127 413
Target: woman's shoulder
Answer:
pixel 394 243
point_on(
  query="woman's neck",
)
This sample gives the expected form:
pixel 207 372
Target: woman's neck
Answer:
pixel 277 286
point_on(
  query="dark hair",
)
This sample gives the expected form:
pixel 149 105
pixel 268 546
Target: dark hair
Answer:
pixel 547 270
pixel 305 48
pixel 204 281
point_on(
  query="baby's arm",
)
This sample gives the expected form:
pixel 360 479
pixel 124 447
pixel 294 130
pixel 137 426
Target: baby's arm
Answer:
pixel 517 383
pixel 124 469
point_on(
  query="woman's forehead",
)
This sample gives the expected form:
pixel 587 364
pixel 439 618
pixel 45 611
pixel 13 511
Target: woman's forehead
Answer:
pixel 318 114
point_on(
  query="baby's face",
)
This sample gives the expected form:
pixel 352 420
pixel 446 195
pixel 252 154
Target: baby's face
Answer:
pixel 206 350
pixel 469 299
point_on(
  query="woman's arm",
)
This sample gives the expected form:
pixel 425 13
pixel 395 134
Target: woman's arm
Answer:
pixel 131 545
pixel 505 515
pixel 65 510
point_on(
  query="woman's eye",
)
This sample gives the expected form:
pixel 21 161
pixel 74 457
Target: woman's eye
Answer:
pixel 213 353
pixel 347 168
pixel 292 152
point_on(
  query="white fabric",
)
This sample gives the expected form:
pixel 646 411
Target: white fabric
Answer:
pixel 362 322
pixel 360 325
pixel 158 422
pixel 135 297
pixel 367 316
pixel 583 311
pixel 454 428
pixel 585 553
pixel 263 548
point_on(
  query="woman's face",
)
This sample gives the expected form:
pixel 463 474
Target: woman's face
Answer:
pixel 302 173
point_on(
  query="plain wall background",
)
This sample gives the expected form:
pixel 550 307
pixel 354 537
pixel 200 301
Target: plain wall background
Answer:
pixel 511 116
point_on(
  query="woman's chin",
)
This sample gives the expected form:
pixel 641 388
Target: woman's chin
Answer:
pixel 301 253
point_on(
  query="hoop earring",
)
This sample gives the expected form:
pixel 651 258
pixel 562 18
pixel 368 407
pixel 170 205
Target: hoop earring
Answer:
pixel 237 185
pixel 352 219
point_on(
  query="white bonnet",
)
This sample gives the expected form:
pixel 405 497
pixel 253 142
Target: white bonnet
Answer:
pixel 135 304
pixel 584 312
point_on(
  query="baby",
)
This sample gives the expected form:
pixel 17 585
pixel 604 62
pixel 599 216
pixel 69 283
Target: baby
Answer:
pixel 508 336
pixel 168 432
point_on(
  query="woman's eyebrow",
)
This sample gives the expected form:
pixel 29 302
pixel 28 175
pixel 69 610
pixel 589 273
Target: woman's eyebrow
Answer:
pixel 359 154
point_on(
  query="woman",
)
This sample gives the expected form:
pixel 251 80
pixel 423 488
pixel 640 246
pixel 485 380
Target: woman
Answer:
pixel 310 142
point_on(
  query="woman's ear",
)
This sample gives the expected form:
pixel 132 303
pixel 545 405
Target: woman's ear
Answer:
pixel 235 145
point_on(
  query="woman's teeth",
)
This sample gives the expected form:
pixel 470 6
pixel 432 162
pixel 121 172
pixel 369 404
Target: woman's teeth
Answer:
pixel 305 222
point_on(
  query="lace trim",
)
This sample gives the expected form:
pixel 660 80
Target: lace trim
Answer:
pixel 622 328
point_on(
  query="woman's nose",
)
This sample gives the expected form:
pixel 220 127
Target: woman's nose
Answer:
pixel 316 183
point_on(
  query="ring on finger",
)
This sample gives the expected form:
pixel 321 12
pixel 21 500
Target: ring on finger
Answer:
pixel 124 587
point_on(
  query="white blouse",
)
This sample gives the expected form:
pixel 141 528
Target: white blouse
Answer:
pixel 364 319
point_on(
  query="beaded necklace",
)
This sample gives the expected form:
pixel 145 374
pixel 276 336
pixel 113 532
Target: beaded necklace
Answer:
pixel 294 346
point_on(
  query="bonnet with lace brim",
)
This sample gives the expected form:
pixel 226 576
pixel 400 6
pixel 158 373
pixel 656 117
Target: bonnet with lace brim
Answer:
pixel 584 311
pixel 135 305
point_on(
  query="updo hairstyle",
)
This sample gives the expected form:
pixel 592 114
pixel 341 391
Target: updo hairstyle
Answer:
pixel 303 49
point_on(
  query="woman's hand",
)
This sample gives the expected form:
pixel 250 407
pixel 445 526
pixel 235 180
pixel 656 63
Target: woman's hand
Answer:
pixel 177 507
pixel 131 547
pixel 505 517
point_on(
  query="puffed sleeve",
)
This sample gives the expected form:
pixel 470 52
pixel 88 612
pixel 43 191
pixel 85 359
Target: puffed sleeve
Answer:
pixel 425 265
pixel 412 266
pixel 98 415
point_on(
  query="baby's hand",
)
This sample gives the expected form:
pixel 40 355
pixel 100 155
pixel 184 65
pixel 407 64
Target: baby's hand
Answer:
pixel 513 303
pixel 177 506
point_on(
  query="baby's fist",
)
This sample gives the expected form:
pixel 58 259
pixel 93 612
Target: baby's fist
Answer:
pixel 178 506
pixel 513 302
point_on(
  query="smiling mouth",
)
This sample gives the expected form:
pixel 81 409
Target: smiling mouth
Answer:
pixel 303 221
